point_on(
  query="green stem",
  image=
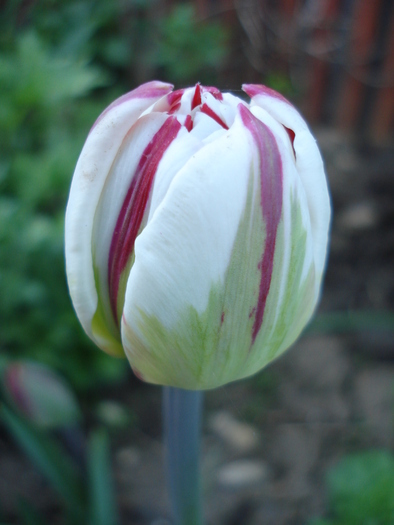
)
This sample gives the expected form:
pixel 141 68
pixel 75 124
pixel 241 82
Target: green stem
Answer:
pixel 182 429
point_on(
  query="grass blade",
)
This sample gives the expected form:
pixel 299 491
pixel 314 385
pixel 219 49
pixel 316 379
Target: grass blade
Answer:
pixel 52 461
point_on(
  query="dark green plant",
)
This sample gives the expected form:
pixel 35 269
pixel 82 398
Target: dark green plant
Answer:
pixel 361 489
pixel 189 50
pixel 43 119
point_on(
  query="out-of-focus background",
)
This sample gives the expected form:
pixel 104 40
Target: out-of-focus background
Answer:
pixel 310 439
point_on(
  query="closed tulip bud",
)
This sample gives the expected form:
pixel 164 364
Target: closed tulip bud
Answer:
pixel 196 232
pixel 39 394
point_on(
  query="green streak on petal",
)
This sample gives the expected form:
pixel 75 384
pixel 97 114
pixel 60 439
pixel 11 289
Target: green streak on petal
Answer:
pixel 123 284
pixel 283 322
pixel 104 333
pixel 103 337
pixel 173 357
pixel 208 349
pixel 299 300
pixel 242 285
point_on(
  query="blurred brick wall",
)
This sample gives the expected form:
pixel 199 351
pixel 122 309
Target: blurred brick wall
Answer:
pixel 338 55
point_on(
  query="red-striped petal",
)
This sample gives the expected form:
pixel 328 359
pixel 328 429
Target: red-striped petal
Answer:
pixel 208 111
pixel 134 204
pixel 258 89
pixel 271 183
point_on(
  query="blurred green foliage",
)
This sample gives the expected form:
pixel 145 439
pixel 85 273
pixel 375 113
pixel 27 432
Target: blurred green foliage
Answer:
pixel 61 63
pixel 361 489
pixel 84 485
pixel 186 52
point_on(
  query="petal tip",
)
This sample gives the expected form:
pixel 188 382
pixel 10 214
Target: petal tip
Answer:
pixel 154 89
pixel 254 90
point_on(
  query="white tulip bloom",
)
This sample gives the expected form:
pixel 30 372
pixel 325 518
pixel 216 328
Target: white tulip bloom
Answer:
pixel 196 232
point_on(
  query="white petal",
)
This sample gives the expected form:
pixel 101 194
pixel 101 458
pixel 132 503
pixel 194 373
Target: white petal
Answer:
pixel 232 101
pixel 310 169
pixel 176 156
pixel 94 164
pixel 203 126
pixel 186 247
pixel 112 197
pixel 277 129
pixel 225 111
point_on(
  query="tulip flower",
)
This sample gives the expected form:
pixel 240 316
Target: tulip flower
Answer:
pixel 196 232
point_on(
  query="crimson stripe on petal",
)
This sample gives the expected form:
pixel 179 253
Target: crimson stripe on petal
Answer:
pixel 134 204
pixel 271 188
pixel 214 91
pixel 196 97
pixel 174 108
pixel 208 111
pixel 188 123
pixel 291 134
pixel 175 97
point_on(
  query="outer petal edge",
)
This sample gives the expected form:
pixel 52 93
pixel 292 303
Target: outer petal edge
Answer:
pixel 90 174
